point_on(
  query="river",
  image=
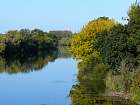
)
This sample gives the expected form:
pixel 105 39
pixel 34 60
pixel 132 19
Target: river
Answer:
pixel 38 80
pixel 53 77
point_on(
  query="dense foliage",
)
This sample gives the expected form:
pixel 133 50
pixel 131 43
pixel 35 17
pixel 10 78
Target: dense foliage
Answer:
pixel 26 41
pixel 82 44
pixel 121 42
pixel 112 41
pixel 110 68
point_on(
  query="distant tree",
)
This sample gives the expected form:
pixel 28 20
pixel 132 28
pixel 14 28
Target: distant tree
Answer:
pixel 61 34
pixel 26 41
pixel 25 33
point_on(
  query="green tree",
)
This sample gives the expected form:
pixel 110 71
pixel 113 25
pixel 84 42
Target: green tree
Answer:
pixel 112 45
pixel 26 41
pixel 133 29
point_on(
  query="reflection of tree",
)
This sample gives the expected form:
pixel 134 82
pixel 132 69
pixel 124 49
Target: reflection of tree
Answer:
pixel 98 86
pixel 28 62
pixel 63 52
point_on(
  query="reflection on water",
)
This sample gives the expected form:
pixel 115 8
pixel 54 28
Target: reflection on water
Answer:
pixel 50 85
pixel 98 85
pixel 31 62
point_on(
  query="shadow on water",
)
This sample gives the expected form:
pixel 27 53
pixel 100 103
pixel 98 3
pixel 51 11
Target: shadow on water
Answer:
pixel 98 85
pixel 29 62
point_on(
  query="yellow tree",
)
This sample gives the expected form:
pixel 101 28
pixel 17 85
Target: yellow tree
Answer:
pixel 82 44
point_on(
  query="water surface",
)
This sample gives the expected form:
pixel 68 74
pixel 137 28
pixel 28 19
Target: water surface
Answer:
pixel 54 78
pixel 43 79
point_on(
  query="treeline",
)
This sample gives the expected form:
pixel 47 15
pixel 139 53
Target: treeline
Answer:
pixel 110 41
pixel 64 37
pixel 26 41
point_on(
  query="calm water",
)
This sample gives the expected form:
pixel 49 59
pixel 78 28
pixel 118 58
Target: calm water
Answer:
pixel 54 78
pixel 48 86
pixel 42 79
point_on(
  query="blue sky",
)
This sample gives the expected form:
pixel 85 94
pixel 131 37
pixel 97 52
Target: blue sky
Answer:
pixel 58 14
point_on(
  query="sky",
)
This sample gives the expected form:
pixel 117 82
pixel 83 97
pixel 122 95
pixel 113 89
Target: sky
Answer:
pixel 58 14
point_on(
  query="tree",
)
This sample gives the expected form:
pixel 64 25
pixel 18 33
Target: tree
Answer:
pixel 133 29
pixel 82 44
pixel 26 41
pixel 134 16
pixel 112 45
